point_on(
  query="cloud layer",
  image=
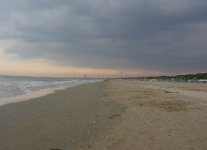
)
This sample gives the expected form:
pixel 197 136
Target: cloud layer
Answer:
pixel 165 35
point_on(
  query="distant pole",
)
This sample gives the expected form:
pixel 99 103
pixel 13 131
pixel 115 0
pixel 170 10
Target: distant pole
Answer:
pixel 85 76
pixel 121 75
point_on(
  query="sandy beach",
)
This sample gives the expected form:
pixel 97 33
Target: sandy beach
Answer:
pixel 110 115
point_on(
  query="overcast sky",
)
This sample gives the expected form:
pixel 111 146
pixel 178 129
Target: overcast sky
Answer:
pixel 150 35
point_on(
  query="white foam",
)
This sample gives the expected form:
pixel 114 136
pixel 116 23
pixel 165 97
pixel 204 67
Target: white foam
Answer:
pixel 17 89
pixel 26 97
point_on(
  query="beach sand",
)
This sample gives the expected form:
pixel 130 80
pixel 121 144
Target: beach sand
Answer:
pixel 110 115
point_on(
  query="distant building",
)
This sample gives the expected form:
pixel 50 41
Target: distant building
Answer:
pixel 202 81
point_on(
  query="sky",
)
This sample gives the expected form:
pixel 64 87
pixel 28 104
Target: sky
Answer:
pixel 103 37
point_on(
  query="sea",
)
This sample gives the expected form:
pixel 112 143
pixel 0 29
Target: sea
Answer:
pixel 12 86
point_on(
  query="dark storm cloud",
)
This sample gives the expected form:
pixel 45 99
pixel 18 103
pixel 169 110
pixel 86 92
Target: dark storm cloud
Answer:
pixel 168 35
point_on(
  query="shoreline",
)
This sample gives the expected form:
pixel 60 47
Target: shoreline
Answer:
pixel 35 94
pixel 28 96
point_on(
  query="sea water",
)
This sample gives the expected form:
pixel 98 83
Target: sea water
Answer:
pixel 11 86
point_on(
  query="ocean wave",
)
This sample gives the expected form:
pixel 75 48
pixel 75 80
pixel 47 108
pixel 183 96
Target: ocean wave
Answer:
pixel 11 86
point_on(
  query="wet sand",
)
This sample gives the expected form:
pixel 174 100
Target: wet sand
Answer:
pixel 111 115
pixel 67 119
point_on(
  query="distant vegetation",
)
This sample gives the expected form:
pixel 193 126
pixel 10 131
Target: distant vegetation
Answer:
pixel 187 77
